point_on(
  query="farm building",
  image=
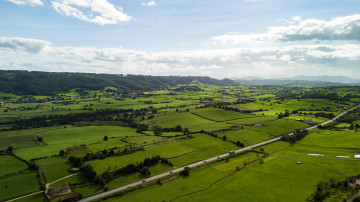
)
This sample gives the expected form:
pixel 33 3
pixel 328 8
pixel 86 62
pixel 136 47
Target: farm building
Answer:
pixel 70 197
pixel 320 155
pixel 74 170
pixel 357 156
pixel 343 157
pixel 58 191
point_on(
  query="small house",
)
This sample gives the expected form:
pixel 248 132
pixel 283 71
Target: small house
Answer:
pixel 311 122
pixel 70 198
pixel 74 170
pixel 352 179
pixel 58 191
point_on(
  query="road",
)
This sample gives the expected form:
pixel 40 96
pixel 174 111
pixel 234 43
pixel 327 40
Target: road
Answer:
pixel 199 163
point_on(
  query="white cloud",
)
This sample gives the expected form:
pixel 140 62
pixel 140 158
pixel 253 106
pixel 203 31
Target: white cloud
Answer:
pixel 27 2
pixel 33 54
pixel 32 46
pixel 340 28
pixel 149 3
pixel 99 11
pixel 285 58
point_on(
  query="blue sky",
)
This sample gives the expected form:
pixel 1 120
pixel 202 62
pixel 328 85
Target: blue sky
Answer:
pixel 228 38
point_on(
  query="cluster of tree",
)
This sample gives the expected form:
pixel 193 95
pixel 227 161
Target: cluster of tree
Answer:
pixel 298 135
pixel 47 83
pixel 286 114
pixel 185 172
pixel 326 189
pixel 236 109
pixel 158 130
pixel 142 167
pixel 350 117
pixel 188 88
pixel 325 115
pixel 327 126
pixel 51 120
pixel 354 126
pixel 79 161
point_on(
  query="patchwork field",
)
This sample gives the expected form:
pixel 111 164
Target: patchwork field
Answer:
pixel 15 186
pixel 186 120
pixel 10 164
pixel 61 139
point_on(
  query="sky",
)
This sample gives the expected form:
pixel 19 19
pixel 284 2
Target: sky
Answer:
pixel 220 39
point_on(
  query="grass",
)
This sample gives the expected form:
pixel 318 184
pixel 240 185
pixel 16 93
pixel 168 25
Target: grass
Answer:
pixel 170 149
pixel 113 163
pixel 144 139
pixel 18 185
pixel 205 146
pixel 10 164
pixel 61 139
pixel 248 137
pixel 220 115
pixel 178 187
pixel 279 127
pixel 54 168
pixel 186 120
pixel 253 120
pixel 340 139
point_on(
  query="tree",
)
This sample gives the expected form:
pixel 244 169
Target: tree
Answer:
pixel 61 153
pixel 261 161
pixel 10 149
pixel 106 138
pixel 40 139
pixel 224 138
pixel 357 126
pixel 185 172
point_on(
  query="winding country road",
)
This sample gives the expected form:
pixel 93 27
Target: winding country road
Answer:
pixel 199 163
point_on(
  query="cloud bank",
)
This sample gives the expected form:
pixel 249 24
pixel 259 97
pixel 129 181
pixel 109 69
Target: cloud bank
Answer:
pixel 33 54
pixel 149 3
pixel 27 2
pixel 340 28
pixel 98 11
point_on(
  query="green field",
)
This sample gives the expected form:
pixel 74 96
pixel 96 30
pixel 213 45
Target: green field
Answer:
pixel 129 119
pixel 61 139
pixel 18 185
pixel 10 164
pixel 279 127
pixel 220 115
pixel 113 163
pixel 186 120
pixel 248 137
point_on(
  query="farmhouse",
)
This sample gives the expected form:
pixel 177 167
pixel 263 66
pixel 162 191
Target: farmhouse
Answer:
pixel 58 191
pixel 70 197
pixel 357 156
pixel 319 155
pixel 353 181
pixel 74 170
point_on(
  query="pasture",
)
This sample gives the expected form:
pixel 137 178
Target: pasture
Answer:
pixel 279 127
pixel 186 120
pixel 220 115
pixel 116 162
pixel 10 164
pixel 15 185
pixel 61 139
pixel 248 137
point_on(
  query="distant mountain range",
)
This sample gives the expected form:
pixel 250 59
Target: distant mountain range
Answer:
pixel 301 81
